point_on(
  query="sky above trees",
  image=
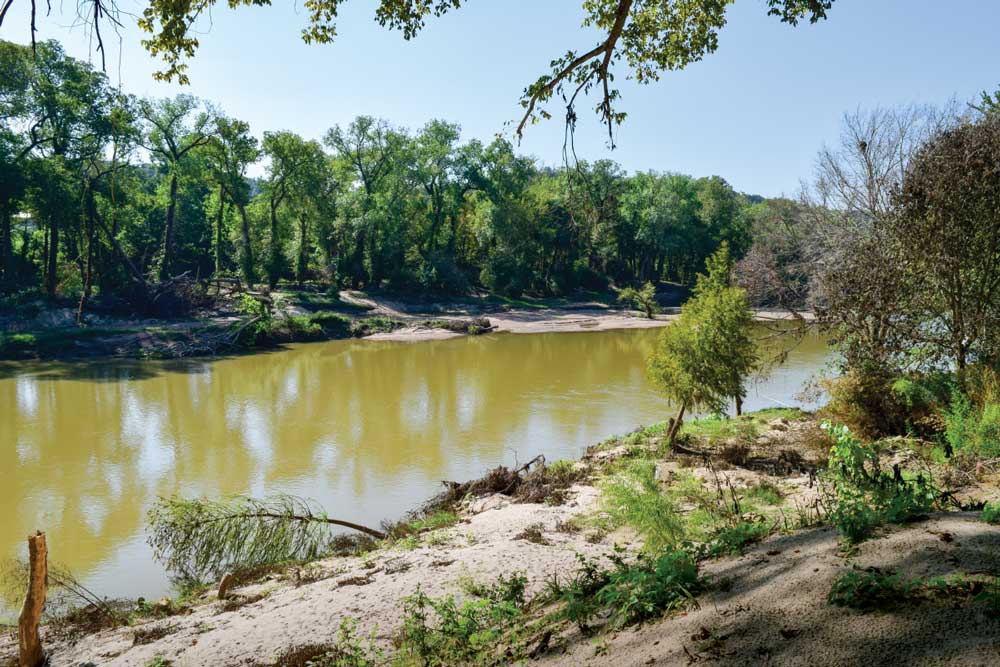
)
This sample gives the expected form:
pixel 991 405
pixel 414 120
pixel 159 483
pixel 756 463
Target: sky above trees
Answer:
pixel 755 112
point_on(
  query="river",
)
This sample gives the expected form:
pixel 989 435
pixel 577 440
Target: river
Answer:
pixel 368 429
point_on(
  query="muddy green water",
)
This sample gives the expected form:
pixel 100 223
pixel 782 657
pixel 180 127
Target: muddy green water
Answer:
pixel 366 428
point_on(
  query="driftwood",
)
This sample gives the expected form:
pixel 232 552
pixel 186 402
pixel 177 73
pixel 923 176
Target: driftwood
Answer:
pixel 29 642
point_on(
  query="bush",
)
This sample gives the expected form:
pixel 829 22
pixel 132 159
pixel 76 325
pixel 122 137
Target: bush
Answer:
pixel 991 513
pixel 971 429
pixel 373 325
pixel 869 590
pixel 446 633
pixel 301 327
pixel 860 495
pixel 633 498
pixel 643 299
pixel 732 540
pixel 632 592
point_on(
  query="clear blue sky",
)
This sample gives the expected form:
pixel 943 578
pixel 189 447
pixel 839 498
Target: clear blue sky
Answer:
pixel 755 112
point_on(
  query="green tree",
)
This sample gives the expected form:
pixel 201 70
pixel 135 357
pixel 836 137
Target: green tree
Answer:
pixel 290 155
pixel 232 149
pixel 170 138
pixel 643 298
pixel 703 357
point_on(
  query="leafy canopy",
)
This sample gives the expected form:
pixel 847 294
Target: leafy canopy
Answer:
pixel 701 359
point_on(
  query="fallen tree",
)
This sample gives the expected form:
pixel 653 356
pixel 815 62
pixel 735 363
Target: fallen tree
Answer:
pixel 200 538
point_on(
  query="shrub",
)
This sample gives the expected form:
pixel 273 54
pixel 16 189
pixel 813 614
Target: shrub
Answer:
pixel 971 429
pixel 633 498
pixel 446 633
pixel 991 513
pixel 333 324
pixel 301 327
pixel 258 319
pixel 732 540
pixel 650 587
pixel 643 299
pixel 861 496
pixel 632 592
pixel 869 590
pixel 373 325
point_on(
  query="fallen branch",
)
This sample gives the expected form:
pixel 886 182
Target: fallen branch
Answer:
pixel 202 538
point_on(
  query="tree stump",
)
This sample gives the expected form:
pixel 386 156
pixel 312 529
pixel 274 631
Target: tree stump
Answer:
pixel 227 581
pixel 30 652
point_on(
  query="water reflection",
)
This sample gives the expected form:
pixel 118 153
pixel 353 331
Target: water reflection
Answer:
pixel 366 428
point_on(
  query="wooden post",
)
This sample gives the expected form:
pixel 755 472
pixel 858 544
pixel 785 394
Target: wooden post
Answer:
pixel 29 642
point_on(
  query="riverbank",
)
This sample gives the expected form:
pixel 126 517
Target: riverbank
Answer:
pixel 767 603
pixel 51 333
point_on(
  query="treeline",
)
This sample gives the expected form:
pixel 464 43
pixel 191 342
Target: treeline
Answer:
pixel 101 192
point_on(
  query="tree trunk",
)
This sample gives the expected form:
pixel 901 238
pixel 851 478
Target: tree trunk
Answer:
pixel 300 269
pixel 218 229
pixel 168 232
pixel 739 406
pixel 248 273
pixel 675 427
pixel 6 246
pixel 274 261
pixel 88 271
pixel 52 277
pixel 29 642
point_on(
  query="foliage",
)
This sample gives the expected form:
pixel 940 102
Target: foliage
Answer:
pixel 991 513
pixel 347 651
pixel 732 540
pixel 446 633
pixel 644 299
pixel 869 590
pixel 259 322
pixel 633 592
pixel 973 429
pixel 874 590
pixel 702 358
pixel 861 496
pixel 153 189
pixel 202 538
pixel 633 498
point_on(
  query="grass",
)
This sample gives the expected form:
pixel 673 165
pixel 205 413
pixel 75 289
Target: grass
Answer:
pixel 721 427
pixel 52 341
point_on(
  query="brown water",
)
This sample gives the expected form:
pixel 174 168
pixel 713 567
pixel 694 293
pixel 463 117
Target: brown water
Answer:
pixel 366 428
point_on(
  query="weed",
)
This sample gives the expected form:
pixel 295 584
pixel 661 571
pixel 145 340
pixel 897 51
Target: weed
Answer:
pixel 732 540
pixel 633 592
pixel 533 533
pixel 446 633
pixel 868 591
pixel 633 498
pixel 861 496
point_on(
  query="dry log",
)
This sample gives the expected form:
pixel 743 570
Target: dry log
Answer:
pixel 30 652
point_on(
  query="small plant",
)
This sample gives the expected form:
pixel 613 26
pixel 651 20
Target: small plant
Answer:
pixel 643 299
pixel 258 322
pixel 868 591
pixel 732 540
pixel 633 592
pixel 861 496
pixel 348 650
pixel 633 498
pixel 991 513
pixel 446 633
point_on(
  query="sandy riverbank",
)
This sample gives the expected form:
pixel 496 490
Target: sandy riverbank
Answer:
pixel 767 606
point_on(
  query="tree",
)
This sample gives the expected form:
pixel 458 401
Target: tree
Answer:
pixel 703 357
pixel 948 227
pixel 170 139
pixel 232 149
pixel 643 299
pixel 290 155
pixel 642 37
